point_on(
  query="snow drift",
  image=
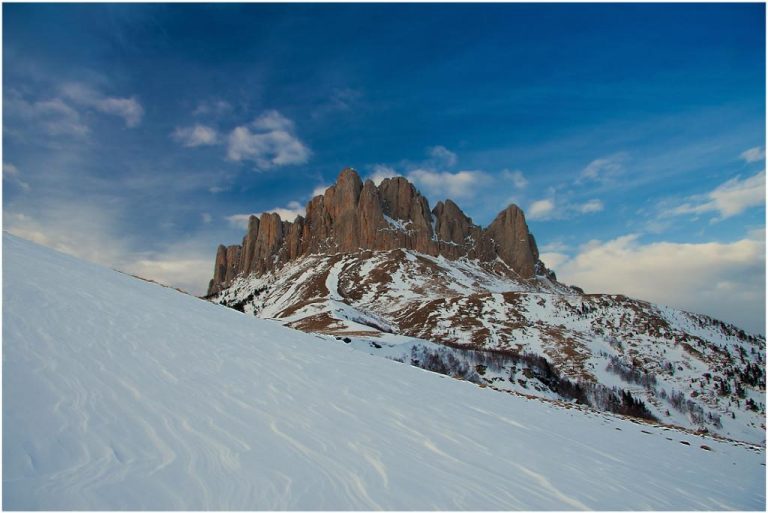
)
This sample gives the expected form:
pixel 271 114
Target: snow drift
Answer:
pixel 122 394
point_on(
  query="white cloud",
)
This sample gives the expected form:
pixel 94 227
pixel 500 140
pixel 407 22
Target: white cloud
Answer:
pixel 76 229
pixel 91 233
pixel 755 154
pixel 728 199
pixel 11 173
pixel 442 155
pixel 195 135
pixel 461 184
pixel 555 246
pixel 188 274
pixel 541 209
pixel 268 141
pixel 212 108
pixel 240 220
pixel 9 170
pixel 553 259
pixel 52 116
pixel 593 205
pixel 381 172
pixel 550 208
pixel 319 190
pixel 127 108
pixel 516 177
pixel 287 213
pixel 724 280
pixel 206 218
pixel 290 212
pixel 604 169
pixel 272 120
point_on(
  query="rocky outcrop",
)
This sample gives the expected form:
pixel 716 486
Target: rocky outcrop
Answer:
pixel 352 216
pixel 512 241
pixel 451 225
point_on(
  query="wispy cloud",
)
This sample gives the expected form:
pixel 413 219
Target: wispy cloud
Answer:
pixel 92 232
pixel 694 277
pixel 52 117
pixel 436 182
pixel 727 200
pixel 593 205
pixel 127 108
pixel 755 154
pixel 604 169
pixel 461 184
pixel 541 209
pixel 195 135
pixel 269 141
pixel 379 172
pixel 319 190
pixel 553 260
pixel 516 177
pixel 442 156
pixel 288 213
pixel 81 230
pixel 553 208
pixel 341 99
pixel 240 220
pixel 11 174
pixel 214 108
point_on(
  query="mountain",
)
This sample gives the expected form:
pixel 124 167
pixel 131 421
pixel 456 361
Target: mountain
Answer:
pixel 352 216
pixel 372 266
pixel 119 394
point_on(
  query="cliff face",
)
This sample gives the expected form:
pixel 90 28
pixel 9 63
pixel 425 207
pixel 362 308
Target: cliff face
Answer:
pixel 353 216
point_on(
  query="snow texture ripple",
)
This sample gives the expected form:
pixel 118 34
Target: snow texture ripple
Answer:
pixel 121 394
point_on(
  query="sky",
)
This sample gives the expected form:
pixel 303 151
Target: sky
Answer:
pixel 141 136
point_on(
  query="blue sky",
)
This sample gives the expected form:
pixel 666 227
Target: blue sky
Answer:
pixel 632 135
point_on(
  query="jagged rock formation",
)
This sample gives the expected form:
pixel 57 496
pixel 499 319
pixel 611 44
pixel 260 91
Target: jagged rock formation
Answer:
pixel 471 320
pixel 375 268
pixel 353 216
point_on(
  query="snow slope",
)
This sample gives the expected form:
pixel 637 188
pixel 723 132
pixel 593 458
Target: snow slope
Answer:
pixel 688 370
pixel 122 394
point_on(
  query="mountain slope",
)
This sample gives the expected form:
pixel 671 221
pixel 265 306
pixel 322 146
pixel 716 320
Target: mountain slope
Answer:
pixel 686 369
pixel 121 394
pixel 373 266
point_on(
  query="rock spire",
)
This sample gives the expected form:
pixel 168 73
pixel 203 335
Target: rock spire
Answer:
pixel 352 216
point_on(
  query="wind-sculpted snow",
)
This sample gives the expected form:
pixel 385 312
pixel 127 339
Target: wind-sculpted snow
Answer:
pixel 687 369
pixel 121 394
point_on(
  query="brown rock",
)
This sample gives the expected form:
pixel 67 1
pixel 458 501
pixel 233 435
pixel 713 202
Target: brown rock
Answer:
pixel 371 218
pixel 249 244
pixel 341 203
pixel 233 263
pixel 451 225
pixel 512 242
pixel 293 235
pixel 402 202
pixel 219 270
pixel 351 216
pixel 317 227
pixel 268 242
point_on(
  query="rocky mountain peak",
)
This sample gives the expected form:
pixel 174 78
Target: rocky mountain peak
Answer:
pixel 352 216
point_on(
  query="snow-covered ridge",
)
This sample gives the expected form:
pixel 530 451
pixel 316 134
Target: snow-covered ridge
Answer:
pixel 686 369
pixel 121 394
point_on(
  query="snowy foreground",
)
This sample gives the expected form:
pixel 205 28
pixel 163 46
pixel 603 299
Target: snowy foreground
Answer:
pixel 121 394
